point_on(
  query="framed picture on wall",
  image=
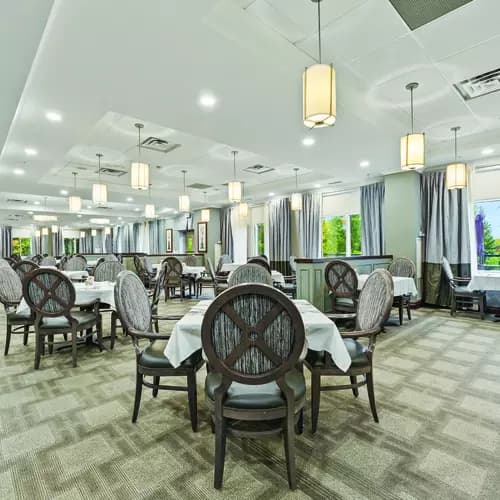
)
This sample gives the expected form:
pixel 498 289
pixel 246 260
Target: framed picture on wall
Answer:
pixel 170 240
pixel 202 237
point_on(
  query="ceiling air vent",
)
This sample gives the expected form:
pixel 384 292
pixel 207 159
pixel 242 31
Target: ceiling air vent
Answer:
pixel 334 182
pixel 198 185
pixel 14 200
pixel 417 13
pixel 258 169
pixel 113 172
pixel 159 145
pixel 480 85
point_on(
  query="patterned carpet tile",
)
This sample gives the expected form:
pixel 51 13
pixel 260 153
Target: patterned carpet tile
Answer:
pixel 66 433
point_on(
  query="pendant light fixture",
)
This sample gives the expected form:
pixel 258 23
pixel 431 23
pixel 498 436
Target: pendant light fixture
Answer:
pixel 45 231
pixel 149 208
pixel 54 229
pixel 205 212
pixel 107 231
pixel 139 173
pixel 296 197
pixel 413 144
pixel 184 198
pixel 234 188
pixel 37 233
pixel 82 234
pixel 93 233
pixel 99 191
pixel 319 90
pixel 243 209
pixel 74 201
pixel 456 173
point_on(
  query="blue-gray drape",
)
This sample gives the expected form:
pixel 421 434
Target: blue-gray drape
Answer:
pixel 279 234
pixel 445 223
pixel 226 232
pixel 372 219
pixel 5 241
pixel 157 236
pixel 107 242
pixel 35 245
pixel 58 242
pixel 310 226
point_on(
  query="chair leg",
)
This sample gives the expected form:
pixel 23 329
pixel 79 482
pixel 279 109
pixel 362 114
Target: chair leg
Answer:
pixel 400 308
pixel 193 400
pixel 220 450
pixel 157 326
pixel 51 343
pixel 26 334
pixel 38 349
pixel 99 333
pixel 114 319
pixel 481 306
pixel 73 348
pixel 408 309
pixel 7 339
pixel 355 390
pixel 156 383
pixel 299 427
pixel 315 398
pixel 138 394
pixel 289 439
pixel 453 310
pixel 371 395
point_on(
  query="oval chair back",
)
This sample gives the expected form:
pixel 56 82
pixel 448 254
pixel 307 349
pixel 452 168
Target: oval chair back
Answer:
pixel 110 257
pixel 25 267
pixel 6 262
pixel 16 257
pixel 49 293
pixel 132 302
pixel 250 273
pixel 48 261
pixel 190 260
pixel 37 258
pixel 224 259
pixel 76 263
pixel 211 269
pixel 173 272
pixel 375 301
pixel 261 261
pixel 341 279
pixel 108 270
pixel 402 266
pixel 252 334
pixel 11 287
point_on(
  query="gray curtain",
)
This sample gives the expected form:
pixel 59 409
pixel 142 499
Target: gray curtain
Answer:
pixel 35 245
pixel 5 241
pixel 117 244
pixel 279 235
pixel 108 242
pixel 162 236
pixel 445 223
pixel 126 238
pixel 226 232
pixel 136 231
pixel 372 219
pixel 58 242
pixel 86 243
pixel 310 226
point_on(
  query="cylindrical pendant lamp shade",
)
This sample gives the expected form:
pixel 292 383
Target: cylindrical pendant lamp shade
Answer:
pixel 93 233
pixel 243 209
pixel 296 203
pixel 319 96
pixel 413 151
pixel 149 211
pixel 54 229
pixel 184 203
pixel 107 231
pixel 75 203
pixel 456 176
pixel 37 233
pixel 205 215
pixel 82 234
pixel 100 194
pixel 234 191
pixel 139 176
pixel 45 231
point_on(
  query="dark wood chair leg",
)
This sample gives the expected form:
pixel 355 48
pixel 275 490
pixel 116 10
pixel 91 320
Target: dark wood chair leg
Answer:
pixel 371 395
pixel 453 310
pixel 114 320
pixel 7 339
pixel 220 450
pixel 26 334
pixel 400 308
pixel 99 333
pixel 481 305
pixel 73 348
pixel 289 440
pixel 315 398
pixel 193 400
pixel 51 343
pixel 156 383
pixel 408 308
pixel 138 394
pixel 355 390
pixel 299 427
pixel 38 350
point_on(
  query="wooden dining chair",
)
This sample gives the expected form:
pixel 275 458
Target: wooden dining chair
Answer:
pixel 173 278
pixel 261 261
pixel 219 282
pixel 401 266
pixel 342 282
pixel 76 263
pixel 250 273
pixel 373 309
pixel 24 267
pixel 49 261
pixel 253 337
pixel 134 309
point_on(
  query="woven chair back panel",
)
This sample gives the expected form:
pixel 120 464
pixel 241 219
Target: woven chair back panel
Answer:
pixel 132 302
pixel 24 267
pixel 341 279
pixel 11 288
pixel 75 263
pixel 108 270
pixel 50 293
pixel 402 267
pixel 173 271
pixel 250 273
pixel 261 261
pixel 48 261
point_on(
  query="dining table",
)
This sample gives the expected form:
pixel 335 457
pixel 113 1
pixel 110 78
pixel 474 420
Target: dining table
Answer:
pixel 72 275
pixel 485 281
pixel 321 334
pixel 194 271
pixel 402 285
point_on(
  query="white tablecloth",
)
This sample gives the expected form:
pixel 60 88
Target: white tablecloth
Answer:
pixel 321 334
pixel 485 281
pixel 76 275
pixel 196 271
pixel 231 266
pixel 402 285
pixel 103 290
pixel 92 263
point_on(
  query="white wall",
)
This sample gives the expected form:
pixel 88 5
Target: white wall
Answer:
pixel 485 185
pixel 240 236
pixel 341 204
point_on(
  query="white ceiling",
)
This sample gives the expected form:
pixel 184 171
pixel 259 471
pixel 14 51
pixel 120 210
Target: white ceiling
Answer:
pixel 106 65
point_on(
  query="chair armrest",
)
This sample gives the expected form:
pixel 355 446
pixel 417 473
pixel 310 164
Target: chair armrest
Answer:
pixel 147 335
pixel 334 316
pixel 461 279
pixel 303 354
pixel 167 318
pixel 360 333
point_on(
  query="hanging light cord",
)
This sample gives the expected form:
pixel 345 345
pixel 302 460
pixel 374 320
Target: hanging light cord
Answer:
pixel 234 164
pixel 74 182
pixel 139 145
pixel 296 180
pixel 319 30
pixel 456 129
pixel 411 100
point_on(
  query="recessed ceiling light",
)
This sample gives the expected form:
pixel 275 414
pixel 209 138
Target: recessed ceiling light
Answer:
pixel 136 209
pixel 18 171
pixel 176 212
pixel 89 207
pixel 130 199
pixel 271 194
pixel 99 220
pixel 30 212
pixel 487 151
pixel 53 116
pixel 208 101
pixel 317 186
pixel 31 151
pixel 364 164
pixel 36 202
pixel 308 141
pixel 120 218
pixel 79 215
pixel 63 192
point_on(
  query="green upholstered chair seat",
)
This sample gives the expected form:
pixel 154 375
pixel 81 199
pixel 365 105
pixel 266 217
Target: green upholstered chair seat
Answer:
pixel 253 397
pixel 84 319
pixel 14 316
pixel 355 349
pixel 153 356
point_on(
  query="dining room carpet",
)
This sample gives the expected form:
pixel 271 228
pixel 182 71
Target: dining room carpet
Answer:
pixel 66 433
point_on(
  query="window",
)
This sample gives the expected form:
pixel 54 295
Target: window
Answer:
pixel 189 241
pixel 21 246
pixel 487 230
pixel 259 238
pixel 71 246
pixel 341 235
